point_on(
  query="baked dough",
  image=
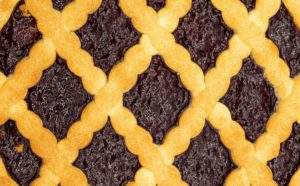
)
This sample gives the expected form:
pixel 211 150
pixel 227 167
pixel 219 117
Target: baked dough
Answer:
pixel 156 28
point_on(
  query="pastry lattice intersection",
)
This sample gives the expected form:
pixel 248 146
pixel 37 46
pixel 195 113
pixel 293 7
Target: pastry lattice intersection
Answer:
pixel 156 28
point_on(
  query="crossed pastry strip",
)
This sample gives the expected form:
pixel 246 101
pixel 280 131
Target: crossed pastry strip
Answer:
pixel 28 72
pixel 251 30
pixel 157 39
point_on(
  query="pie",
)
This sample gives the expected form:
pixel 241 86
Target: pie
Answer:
pixel 136 92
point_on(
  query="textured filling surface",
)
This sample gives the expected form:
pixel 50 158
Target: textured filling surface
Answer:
pixel 16 38
pixel 58 98
pixel 21 163
pixel 203 33
pixel 106 161
pixel 157 99
pixel 107 35
pixel 284 33
pixel 288 162
pixel 156 4
pixel 251 99
pixel 207 161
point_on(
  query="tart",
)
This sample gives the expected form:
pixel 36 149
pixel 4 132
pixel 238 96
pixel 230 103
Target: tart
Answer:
pixel 136 92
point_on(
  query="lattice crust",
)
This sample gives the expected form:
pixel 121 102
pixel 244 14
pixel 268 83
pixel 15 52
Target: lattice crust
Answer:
pixel 251 29
pixel 156 27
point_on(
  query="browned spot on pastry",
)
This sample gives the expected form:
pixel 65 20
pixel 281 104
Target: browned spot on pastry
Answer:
pixel 207 161
pixel 107 35
pixel 157 99
pixel 251 99
pixel 58 98
pixel 203 33
pixel 283 31
pixel 106 161
pixel 288 162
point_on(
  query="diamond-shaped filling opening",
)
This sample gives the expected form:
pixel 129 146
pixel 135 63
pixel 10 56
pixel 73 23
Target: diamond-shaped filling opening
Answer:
pixel 251 99
pixel 156 4
pixel 207 161
pixel 203 33
pixel 60 4
pixel 157 99
pixel 58 98
pixel 16 39
pixel 284 33
pixel 107 35
pixel 20 162
pixel 288 161
pixel 107 161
